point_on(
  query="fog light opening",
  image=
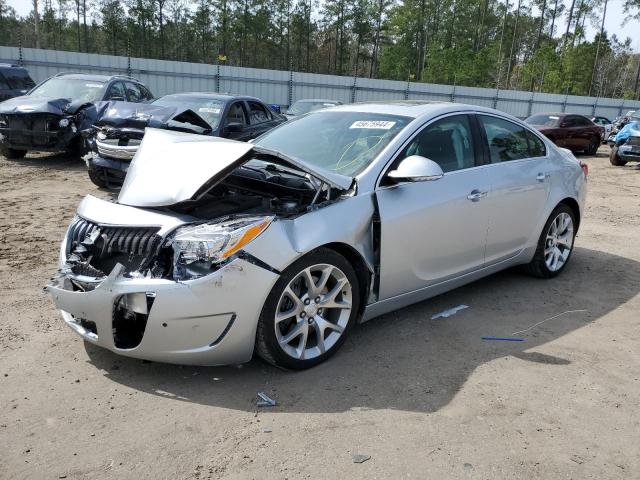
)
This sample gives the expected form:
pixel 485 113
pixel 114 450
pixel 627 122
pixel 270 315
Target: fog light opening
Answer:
pixel 130 319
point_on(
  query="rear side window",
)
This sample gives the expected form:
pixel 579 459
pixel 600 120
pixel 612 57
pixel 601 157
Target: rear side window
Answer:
pixel 116 92
pixel 536 146
pixel 257 113
pixel 507 140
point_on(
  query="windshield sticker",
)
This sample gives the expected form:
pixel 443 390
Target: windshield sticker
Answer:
pixel 373 124
pixel 209 110
pixel 554 118
pixel 93 85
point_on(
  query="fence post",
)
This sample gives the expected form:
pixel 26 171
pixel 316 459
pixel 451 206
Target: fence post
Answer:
pixel 20 60
pixel 290 100
pixel 128 59
pixel 564 103
pixel 620 108
pixel 217 77
pixel 530 109
pixel 595 106
pixel 354 88
pixel 453 93
pixel 496 98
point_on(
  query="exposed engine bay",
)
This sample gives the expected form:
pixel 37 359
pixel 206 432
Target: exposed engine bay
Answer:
pixel 250 197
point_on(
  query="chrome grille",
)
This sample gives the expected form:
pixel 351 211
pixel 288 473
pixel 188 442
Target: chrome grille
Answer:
pixel 110 148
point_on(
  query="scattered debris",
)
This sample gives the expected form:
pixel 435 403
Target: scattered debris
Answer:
pixel 265 401
pixel 577 458
pixel 448 313
pixel 467 467
pixel 503 339
pixel 360 458
pixel 266 430
pixel 546 320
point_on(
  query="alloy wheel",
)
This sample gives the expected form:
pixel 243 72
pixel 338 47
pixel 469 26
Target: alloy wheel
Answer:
pixel 559 242
pixel 313 311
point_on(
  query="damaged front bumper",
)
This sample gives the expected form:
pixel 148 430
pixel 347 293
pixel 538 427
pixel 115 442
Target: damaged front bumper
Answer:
pixel 42 140
pixel 208 321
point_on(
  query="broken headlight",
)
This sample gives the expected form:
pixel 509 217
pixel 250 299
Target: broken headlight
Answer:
pixel 197 248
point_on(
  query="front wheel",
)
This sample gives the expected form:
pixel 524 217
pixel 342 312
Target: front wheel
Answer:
pixel 555 244
pixel 615 159
pixel 309 311
pixel 13 154
pixel 98 176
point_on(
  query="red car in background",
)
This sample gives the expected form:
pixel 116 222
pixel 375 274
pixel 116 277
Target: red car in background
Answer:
pixel 568 130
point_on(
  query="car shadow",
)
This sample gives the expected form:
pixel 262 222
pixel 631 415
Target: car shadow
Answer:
pixel 56 161
pixel 405 360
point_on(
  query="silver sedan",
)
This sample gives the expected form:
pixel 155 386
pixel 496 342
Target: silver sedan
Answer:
pixel 217 249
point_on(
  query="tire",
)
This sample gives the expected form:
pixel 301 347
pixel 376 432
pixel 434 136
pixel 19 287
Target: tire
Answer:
pixel 615 159
pixel 97 176
pixel 13 154
pixel 300 322
pixel 544 267
pixel 593 146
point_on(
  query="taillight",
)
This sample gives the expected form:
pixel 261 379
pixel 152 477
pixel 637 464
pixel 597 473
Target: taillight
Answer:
pixel 585 169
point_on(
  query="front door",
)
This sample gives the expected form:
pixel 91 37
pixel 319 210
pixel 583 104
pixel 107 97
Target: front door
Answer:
pixel 434 230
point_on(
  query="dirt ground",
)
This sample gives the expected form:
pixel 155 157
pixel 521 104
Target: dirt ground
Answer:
pixel 423 398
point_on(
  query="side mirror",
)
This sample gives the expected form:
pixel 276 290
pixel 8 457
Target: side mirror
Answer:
pixel 233 127
pixel 416 169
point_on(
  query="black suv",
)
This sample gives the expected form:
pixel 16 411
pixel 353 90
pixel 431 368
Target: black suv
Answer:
pixel 51 116
pixel 14 81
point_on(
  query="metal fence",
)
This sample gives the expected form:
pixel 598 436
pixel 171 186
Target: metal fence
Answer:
pixel 282 87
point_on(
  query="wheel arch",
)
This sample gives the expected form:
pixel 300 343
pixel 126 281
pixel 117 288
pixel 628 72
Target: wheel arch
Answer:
pixel 357 261
pixel 574 206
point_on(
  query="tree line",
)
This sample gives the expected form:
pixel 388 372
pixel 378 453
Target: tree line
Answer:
pixel 535 45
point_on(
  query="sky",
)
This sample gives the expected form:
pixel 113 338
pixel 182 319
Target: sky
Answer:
pixel 613 24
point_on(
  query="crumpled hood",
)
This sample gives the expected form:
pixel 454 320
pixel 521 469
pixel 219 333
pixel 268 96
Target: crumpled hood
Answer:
pixel 119 114
pixel 27 104
pixel 172 167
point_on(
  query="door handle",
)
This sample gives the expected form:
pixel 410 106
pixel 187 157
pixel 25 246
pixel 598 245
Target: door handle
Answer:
pixel 476 195
pixel 541 177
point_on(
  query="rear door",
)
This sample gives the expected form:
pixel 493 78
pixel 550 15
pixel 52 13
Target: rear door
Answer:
pixel 435 230
pixel 519 179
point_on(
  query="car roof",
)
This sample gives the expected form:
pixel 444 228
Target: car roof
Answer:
pixel 414 108
pixel 12 66
pixel 213 96
pixel 314 100
pixel 93 77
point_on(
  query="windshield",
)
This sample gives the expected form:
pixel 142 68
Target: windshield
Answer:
pixel 302 107
pixel 71 88
pixel 209 109
pixel 546 120
pixel 342 142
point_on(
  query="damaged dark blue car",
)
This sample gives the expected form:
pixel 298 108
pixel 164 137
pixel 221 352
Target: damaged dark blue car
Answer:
pixel 53 114
pixel 119 127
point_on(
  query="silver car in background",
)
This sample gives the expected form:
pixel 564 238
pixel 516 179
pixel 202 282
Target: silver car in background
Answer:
pixel 279 247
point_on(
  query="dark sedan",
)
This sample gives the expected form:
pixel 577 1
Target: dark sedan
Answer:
pixel 574 132
pixel 119 127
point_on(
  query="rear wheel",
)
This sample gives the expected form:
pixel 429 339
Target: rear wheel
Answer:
pixel 593 146
pixel 309 311
pixel 13 154
pixel 615 159
pixel 555 244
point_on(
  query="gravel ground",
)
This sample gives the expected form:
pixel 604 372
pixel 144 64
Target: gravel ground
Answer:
pixel 423 398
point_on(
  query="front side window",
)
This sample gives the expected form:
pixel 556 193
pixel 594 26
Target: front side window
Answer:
pixel 116 92
pixel 342 142
pixel 235 115
pixel 507 140
pixel 448 142
pixel 71 88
